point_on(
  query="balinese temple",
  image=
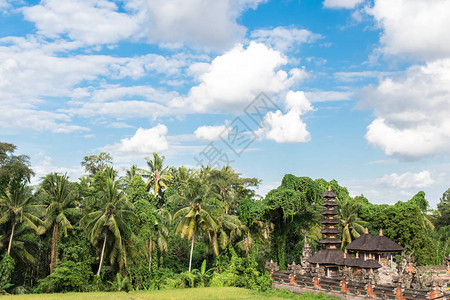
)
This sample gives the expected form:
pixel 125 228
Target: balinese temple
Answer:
pixel 380 248
pixel 330 256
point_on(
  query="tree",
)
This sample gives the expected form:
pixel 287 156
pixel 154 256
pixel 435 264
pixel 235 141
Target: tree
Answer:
pixel 95 163
pixel 352 225
pixel 14 169
pixel 443 210
pixel 108 221
pixel 290 205
pixel 16 206
pixel 60 196
pixel 157 175
pixel 193 219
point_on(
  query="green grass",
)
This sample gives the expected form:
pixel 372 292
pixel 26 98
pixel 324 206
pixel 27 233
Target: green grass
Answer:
pixel 197 293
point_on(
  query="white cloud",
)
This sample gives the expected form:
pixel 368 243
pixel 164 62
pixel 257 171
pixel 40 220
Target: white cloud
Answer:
pixel 43 165
pixel 416 28
pixel 411 111
pixel 199 23
pixel 407 180
pixel 89 21
pixel 210 133
pixel 283 38
pixel 232 80
pixel 288 128
pixel 144 142
pixel 347 4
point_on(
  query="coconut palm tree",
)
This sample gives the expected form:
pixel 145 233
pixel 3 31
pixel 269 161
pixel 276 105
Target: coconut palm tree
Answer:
pixel 193 219
pixel 60 196
pixel 352 225
pixel 16 206
pixel 157 175
pixel 108 223
pixel 159 233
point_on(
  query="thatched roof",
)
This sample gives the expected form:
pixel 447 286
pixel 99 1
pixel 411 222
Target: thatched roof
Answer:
pixel 370 243
pixel 448 258
pixel 329 203
pixel 382 243
pixel 349 261
pixel 330 231
pixel 329 194
pixel 359 244
pixel 331 212
pixel 330 241
pixel 328 256
pixel 369 264
pixel 329 221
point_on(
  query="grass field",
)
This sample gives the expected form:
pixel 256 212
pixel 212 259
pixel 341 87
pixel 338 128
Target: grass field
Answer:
pixel 197 293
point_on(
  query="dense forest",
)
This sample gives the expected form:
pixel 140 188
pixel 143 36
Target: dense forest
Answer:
pixel 174 227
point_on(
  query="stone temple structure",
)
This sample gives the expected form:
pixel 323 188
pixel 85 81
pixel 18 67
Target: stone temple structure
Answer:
pixel 366 270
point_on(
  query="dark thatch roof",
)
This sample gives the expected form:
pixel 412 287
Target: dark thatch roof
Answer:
pixel 329 203
pixel 360 243
pixel 328 256
pixel 330 241
pixel 382 243
pixel 329 194
pixel 448 258
pixel 370 264
pixel 330 231
pixel 330 212
pixel 350 261
pixel 330 221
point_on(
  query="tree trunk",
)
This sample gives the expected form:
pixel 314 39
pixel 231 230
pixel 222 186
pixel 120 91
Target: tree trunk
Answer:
pixel 192 250
pixel 150 244
pixel 12 234
pixel 54 254
pixel 101 257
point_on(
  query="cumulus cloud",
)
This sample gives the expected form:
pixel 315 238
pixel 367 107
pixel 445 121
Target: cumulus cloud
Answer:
pixel 143 142
pixel 408 180
pixel 288 128
pixel 210 133
pixel 347 4
pixel 235 78
pixel 411 111
pixel 325 96
pixel 199 23
pixel 416 28
pixel 283 38
pixel 89 21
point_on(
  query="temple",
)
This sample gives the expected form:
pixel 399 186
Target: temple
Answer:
pixel 365 269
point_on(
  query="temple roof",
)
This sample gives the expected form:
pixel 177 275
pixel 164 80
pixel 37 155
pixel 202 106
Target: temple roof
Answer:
pixel 328 256
pixel 330 241
pixel 360 243
pixel 448 258
pixel 329 194
pixel 369 264
pixel 329 203
pixel 330 212
pixel 329 221
pixel 370 243
pixel 330 231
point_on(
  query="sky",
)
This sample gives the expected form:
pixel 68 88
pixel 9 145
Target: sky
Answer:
pixel 352 90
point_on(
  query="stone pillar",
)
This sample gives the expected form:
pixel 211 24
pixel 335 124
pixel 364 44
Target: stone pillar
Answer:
pixel 398 293
pixel 344 287
pixel 370 291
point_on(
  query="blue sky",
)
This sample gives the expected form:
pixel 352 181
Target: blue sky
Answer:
pixel 359 90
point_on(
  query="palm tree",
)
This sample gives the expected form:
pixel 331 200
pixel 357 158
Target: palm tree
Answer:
pixel 193 219
pixel 60 196
pixel 229 227
pixel 352 225
pixel 159 233
pixel 157 175
pixel 16 205
pixel 108 221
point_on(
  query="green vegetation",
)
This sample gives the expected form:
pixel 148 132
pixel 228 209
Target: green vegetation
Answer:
pixel 170 228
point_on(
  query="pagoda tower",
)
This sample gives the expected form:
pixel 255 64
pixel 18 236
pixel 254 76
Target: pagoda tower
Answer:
pixel 330 256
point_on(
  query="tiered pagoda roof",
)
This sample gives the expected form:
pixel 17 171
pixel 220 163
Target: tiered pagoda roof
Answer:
pixel 330 254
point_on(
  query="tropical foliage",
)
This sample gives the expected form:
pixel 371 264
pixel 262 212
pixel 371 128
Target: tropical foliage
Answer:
pixel 174 227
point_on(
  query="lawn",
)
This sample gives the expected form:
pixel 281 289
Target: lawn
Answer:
pixel 197 293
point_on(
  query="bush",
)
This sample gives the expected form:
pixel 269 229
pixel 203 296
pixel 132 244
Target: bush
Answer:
pixel 68 276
